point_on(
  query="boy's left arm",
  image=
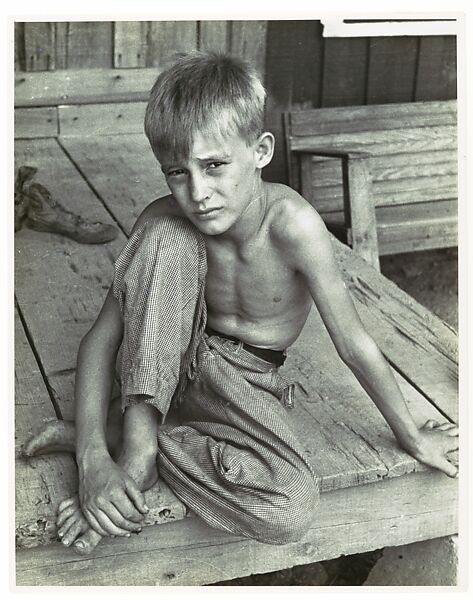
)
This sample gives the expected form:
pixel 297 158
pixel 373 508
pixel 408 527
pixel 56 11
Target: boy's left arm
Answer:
pixel 308 246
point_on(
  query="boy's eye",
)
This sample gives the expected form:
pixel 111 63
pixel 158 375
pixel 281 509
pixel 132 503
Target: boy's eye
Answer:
pixel 175 172
pixel 214 165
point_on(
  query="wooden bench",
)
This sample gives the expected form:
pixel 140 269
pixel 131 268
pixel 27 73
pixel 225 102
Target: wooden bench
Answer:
pixel 373 494
pixel 383 177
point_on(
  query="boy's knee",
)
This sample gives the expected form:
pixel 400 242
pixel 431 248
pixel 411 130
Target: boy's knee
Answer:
pixel 289 517
pixel 170 229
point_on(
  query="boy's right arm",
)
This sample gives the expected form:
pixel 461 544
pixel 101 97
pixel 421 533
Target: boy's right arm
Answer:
pixel 109 498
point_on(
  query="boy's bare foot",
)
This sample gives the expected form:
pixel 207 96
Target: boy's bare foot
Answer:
pixel 54 436
pixel 73 527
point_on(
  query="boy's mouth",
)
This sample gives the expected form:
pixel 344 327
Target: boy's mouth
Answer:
pixel 207 214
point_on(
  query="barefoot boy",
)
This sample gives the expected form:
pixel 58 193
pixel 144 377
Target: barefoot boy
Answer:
pixel 214 284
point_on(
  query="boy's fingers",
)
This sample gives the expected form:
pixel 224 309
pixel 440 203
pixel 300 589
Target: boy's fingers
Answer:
pixel 117 518
pixel 430 424
pixel 137 497
pixel 127 510
pixel 105 519
pixel 94 523
pixel 447 468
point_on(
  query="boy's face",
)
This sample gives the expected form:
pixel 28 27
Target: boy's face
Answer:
pixel 215 185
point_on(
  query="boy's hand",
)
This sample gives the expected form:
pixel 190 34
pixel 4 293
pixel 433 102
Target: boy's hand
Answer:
pixel 110 499
pixel 436 441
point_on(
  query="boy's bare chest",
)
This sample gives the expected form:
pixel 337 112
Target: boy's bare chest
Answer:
pixel 252 283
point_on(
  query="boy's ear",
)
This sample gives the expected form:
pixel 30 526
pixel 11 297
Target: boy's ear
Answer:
pixel 264 149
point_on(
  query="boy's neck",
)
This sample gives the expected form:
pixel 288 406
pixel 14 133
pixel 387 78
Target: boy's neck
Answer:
pixel 249 223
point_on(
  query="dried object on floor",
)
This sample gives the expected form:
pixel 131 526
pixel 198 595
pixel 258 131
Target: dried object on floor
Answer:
pixel 24 175
pixel 35 206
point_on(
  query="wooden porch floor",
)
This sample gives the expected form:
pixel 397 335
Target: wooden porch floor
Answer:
pixel 375 495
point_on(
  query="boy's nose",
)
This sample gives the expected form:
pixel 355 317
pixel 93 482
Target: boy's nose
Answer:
pixel 198 188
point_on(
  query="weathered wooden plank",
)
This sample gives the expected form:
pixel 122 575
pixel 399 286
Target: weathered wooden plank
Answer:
pixel 36 122
pixel 60 284
pixel 437 70
pixel 129 44
pixel 418 230
pixel 371 118
pixel 83 86
pixel 40 53
pixel 345 438
pixel 330 200
pixel 395 215
pixel 395 141
pixel 101 119
pixel 248 40
pixel 33 406
pixel 360 205
pixel 214 35
pixel 40 484
pixel 89 44
pixel 123 170
pixel 345 71
pixel 385 193
pixel 392 69
pixel 439 237
pixel 421 346
pixel 390 167
pixel 388 513
pixel 167 38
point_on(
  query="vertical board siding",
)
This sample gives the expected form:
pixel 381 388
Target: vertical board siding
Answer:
pixel 62 45
pixel 20 47
pixel 130 44
pixel 214 35
pixel 89 44
pixel 345 72
pixel 40 46
pixel 437 69
pixel 168 38
pixel 308 65
pixel 392 70
pixel 248 40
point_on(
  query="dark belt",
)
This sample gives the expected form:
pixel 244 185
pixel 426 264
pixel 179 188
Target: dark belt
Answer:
pixel 277 357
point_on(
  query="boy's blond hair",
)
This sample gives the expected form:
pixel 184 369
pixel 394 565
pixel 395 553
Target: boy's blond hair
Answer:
pixel 208 92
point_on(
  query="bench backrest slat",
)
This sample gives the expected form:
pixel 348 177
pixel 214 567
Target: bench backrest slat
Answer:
pixel 372 117
pixel 413 149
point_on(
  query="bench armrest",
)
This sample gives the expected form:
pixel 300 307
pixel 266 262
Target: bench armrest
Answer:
pixel 332 153
pixel 358 202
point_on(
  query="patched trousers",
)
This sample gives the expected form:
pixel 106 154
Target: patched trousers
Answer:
pixel 231 455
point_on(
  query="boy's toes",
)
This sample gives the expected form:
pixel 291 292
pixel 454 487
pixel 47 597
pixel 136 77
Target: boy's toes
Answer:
pixel 87 542
pixel 74 530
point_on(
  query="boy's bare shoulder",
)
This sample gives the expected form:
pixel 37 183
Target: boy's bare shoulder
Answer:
pixel 161 207
pixel 290 216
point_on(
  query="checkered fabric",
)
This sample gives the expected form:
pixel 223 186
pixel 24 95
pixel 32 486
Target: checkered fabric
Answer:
pixel 232 457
